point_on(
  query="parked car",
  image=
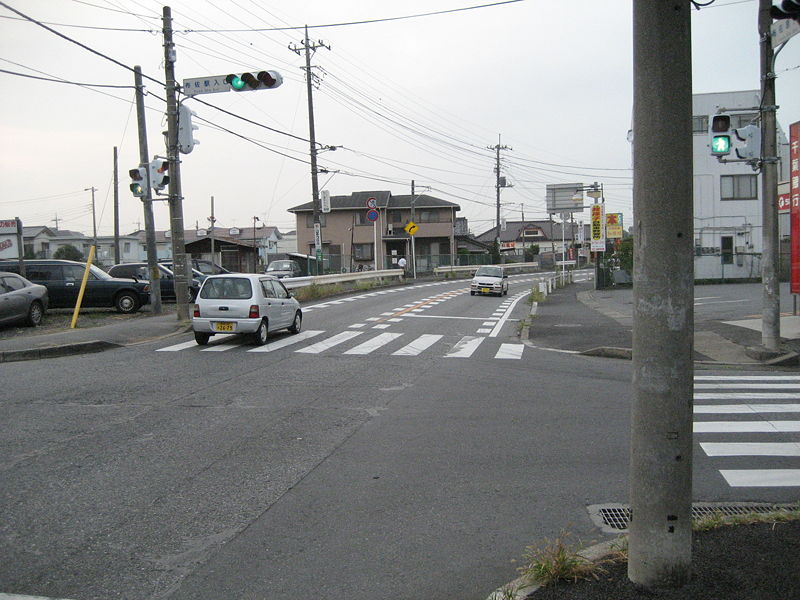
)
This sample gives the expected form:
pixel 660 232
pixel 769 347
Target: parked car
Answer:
pixel 284 268
pixel 63 278
pixel 206 267
pixel 139 272
pixel 489 280
pixel 244 303
pixel 196 274
pixel 21 300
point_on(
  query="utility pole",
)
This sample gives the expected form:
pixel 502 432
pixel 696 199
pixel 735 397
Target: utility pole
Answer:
pixel 181 269
pixel 116 208
pixel 660 528
pixel 310 48
pixel 212 221
pixel 255 246
pixel 497 148
pixel 771 317
pixel 94 220
pixel 147 199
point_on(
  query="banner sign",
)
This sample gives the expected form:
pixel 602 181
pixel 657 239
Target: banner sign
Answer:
pixel 794 215
pixel 598 228
pixel 614 226
pixel 8 239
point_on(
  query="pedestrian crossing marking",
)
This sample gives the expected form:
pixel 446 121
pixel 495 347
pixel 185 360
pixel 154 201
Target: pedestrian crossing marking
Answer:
pixel 330 342
pixel 374 343
pixel 745 408
pixel 222 346
pixel 746 426
pixel 747 396
pixel 512 351
pixel 419 345
pixel 178 347
pixel 747 386
pixel 747 378
pixel 465 347
pixel 287 341
pixel 762 477
pixel 751 448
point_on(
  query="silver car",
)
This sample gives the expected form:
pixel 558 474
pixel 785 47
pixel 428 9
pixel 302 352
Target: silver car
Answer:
pixel 21 300
pixel 244 303
pixel 489 280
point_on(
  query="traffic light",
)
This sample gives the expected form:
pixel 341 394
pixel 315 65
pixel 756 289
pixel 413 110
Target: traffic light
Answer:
pixel 751 136
pixel 159 177
pixel 139 183
pixel 261 80
pixel 720 135
pixel 787 9
pixel 186 141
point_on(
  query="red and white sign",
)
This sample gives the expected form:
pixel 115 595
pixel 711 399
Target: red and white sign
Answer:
pixel 784 203
pixel 794 211
pixel 8 239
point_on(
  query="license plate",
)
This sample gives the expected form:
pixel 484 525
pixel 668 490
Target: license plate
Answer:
pixel 223 326
pixel 484 290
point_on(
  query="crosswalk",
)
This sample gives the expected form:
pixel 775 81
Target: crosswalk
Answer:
pixel 361 343
pixel 750 418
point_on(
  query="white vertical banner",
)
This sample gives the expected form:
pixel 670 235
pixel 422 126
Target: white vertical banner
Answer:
pixel 598 228
pixel 325 199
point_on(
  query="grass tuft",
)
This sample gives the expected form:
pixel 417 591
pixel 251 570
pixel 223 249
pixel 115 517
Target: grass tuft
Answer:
pixel 557 561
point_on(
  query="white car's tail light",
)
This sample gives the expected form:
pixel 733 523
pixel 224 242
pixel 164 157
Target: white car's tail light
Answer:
pixel 197 310
pixel 254 311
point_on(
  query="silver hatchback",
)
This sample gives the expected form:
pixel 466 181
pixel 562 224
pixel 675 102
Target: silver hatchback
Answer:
pixel 244 303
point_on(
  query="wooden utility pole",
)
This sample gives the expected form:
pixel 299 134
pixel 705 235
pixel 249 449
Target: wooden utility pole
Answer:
pixel 660 528
pixel 117 258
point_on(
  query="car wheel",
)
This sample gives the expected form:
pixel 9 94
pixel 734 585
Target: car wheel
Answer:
pixel 35 314
pixel 472 293
pixel 126 303
pixel 297 324
pixel 201 338
pixel 262 333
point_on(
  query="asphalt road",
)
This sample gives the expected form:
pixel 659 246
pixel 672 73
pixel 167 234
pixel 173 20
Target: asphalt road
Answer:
pixel 420 468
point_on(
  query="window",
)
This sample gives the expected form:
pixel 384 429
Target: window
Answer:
pixel 739 187
pixel 700 124
pixel 726 242
pixel 43 272
pixel 395 216
pixel 428 216
pixel 360 218
pixel 362 251
pixel 310 220
pixel 742 120
pixel 13 283
pixel 126 247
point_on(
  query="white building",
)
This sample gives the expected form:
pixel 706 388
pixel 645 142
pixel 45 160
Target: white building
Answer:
pixel 727 196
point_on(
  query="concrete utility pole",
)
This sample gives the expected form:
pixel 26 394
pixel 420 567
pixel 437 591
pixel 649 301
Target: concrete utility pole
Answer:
pixel 147 200
pixel 659 543
pixel 497 148
pixel 212 220
pixel 255 246
pixel 771 318
pixel 181 269
pixel 117 259
pixel 310 48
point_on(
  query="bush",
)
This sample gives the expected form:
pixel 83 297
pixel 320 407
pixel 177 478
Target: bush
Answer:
pixel 68 252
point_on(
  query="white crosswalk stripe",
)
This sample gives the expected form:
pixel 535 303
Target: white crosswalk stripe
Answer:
pixel 510 351
pixel 465 347
pixel 774 439
pixel 374 343
pixel 419 345
pixel 330 342
pixel 287 341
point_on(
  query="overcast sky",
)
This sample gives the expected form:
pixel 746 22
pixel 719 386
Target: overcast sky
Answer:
pixel 419 98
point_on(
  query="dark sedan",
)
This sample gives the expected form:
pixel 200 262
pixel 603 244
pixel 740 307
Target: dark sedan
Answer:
pixel 21 300
pixel 139 272
pixel 63 278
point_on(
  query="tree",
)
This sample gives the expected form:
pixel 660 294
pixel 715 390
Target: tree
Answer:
pixel 530 252
pixel 625 255
pixel 68 252
pixel 495 253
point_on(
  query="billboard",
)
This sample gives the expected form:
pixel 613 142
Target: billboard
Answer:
pixel 561 197
pixel 614 226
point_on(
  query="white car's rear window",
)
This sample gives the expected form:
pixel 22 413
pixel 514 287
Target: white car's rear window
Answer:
pixel 226 288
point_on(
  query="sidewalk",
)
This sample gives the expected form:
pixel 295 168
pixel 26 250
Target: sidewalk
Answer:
pixel 580 319
pixel 90 339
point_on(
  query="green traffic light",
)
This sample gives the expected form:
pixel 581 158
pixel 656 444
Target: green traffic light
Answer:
pixel 137 190
pixel 236 82
pixel 721 144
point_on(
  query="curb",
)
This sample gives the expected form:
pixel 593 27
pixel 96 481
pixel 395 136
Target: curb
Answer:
pixel 56 351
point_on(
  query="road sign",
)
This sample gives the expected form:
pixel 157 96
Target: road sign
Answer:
pixel 325 198
pixel 372 203
pixel 372 215
pixel 411 228
pixel 317 236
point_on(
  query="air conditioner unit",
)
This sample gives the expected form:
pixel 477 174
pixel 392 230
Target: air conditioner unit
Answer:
pixel 390 229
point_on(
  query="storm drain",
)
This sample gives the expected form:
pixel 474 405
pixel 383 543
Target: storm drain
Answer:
pixel 613 518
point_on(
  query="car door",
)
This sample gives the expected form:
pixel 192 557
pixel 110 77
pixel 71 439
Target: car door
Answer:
pixel 287 305
pixel 72 279
pixel 12 299
pixel 52 277
pixel 275 308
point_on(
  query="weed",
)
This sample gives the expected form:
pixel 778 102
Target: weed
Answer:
pixel 717 519
pixel 557 561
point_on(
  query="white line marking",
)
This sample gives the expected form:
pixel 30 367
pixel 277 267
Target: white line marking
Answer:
pixel 330 342
pixel 751 449
pixel 762 477
pixel 745 408
pixel 220 347
pixel 489 323
pixel 381 326
pixel 747 396
pixel 374 343
pixel 504 318
pixel 177 347
pixel 465 347
pixel 747 378
pixel 746 426
pixel 747 386
pixel 287 341
pixel 356 325
pixel 423 342
pixel 396 320
pixel 484 331
pixel 510 351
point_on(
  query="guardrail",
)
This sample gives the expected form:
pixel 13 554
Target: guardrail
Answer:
pixel 473 268
pixel 298 282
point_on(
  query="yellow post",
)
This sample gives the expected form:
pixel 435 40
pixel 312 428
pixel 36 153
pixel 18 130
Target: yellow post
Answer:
pixel 83 288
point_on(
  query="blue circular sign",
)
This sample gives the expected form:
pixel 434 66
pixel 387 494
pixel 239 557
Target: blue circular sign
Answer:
pixel 372 215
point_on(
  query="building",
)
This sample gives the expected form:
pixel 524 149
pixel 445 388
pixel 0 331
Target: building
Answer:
pixel 519 236
pixel 44 242
pixel 350 238
pixel 727 196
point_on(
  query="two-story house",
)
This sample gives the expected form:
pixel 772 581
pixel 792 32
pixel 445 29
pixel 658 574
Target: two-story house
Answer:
pixel 352 242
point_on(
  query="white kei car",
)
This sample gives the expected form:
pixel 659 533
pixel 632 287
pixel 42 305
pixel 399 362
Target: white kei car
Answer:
pixel 245 303
pixel 489 280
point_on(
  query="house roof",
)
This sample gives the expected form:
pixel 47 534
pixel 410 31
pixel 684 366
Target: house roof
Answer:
pixel 245 235
pixel 385 199
pixel 551 230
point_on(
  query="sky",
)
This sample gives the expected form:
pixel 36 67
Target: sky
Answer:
pixel 420 98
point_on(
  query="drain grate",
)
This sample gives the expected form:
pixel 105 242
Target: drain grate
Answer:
pixel 613 518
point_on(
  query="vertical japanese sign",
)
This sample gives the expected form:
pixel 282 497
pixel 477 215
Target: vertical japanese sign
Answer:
pixel 614 226
pixel 598 228
pixel 794 212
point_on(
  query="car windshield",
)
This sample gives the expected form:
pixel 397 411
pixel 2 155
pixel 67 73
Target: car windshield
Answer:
pixel 489 272
pixel 280 265
pixel 228 288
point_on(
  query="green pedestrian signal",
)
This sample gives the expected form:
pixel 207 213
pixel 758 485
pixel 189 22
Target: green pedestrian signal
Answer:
pixel 138 182
pixel 721 144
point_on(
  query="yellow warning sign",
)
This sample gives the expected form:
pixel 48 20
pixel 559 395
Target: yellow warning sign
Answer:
pixel 411 228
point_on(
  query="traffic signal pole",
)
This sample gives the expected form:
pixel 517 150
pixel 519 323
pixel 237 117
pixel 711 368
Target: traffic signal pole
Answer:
pixel 181 269
pixel 660 528
pixel 147 200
